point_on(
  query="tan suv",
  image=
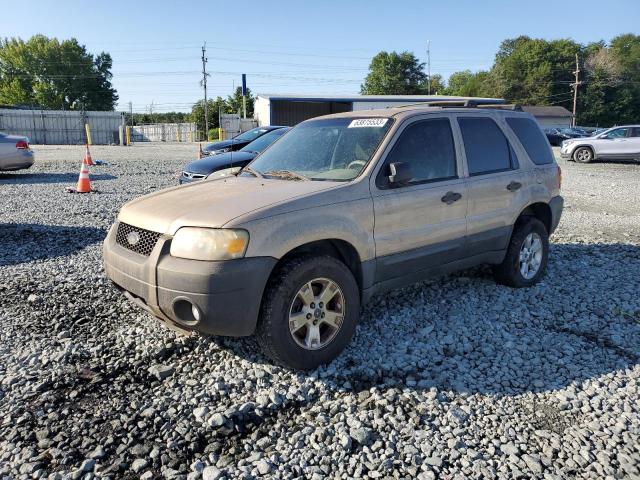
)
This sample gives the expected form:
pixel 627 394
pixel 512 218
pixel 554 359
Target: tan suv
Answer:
pixel 339 209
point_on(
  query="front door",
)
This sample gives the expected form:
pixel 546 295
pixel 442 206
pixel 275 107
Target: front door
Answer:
pixel 420 224
pixel 615 144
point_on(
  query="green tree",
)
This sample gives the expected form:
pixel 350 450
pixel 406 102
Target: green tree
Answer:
pixel 48 73
pixel 234 102
pixel 394 74
pixel 535 71
pixel 214 108
pixel 469 84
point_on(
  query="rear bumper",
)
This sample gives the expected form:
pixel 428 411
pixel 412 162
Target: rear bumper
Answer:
pixel 22 159
pixel 556 204
pixel 226 294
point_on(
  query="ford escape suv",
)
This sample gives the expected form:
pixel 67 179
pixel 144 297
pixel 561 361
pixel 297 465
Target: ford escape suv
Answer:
pixel 341 208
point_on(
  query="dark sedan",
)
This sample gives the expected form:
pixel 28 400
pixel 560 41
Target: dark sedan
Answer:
pixel 555 136
pixel 238 142
pixel 229 163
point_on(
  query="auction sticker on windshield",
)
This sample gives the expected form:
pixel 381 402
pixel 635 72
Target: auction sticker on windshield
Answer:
pixel 368 122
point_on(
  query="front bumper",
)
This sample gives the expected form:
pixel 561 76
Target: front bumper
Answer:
pixel 227 294
pixel 566 151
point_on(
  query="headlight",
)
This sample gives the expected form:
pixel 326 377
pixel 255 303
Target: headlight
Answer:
pixel 225 172
pixel 209 243
pixel 221 150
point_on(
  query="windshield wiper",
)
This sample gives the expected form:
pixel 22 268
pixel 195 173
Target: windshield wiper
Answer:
pixel 286 174
pixel 253 172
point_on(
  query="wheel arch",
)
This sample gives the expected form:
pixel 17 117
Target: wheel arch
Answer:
pixel 541 211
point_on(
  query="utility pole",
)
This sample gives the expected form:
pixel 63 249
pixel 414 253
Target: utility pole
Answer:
pixel 575 91
pixel 429 67
pixel 204 84
pixel 131 112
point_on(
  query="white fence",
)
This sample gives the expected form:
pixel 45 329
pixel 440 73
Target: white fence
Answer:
pixel 165 132
pixel 233 125
pixel 62 127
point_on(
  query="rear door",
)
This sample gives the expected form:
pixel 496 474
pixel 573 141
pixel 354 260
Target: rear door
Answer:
pixel 420 224
pixel 496 184
pixel 634 142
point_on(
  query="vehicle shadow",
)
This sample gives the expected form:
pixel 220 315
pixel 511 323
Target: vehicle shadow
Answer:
pixel 465 333
pixel 25 242
pixel 44 178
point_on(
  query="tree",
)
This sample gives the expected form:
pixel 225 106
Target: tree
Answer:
pixel 234 102
pixel 214 107
pixel 468 84
pixel 46 73
pixel 394 74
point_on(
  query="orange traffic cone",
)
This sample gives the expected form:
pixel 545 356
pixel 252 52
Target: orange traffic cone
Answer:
pixel 84 184
pixel 87 157
pixel 200 152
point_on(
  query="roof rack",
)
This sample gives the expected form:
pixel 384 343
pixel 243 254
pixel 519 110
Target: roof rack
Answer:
pixel 469 103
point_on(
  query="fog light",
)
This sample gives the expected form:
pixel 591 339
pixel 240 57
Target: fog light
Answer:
pixel 186 312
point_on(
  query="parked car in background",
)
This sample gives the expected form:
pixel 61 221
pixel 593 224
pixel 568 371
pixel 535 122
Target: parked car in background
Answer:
pixel 237 142
pixel 15 153
pixel 231 162
pixel 555 137
pixel 342 208
pixel 617 143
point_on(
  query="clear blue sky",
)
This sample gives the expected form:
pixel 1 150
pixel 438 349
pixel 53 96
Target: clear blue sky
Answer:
pixel 321 47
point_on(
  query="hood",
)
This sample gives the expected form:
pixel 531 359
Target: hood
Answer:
pixel 209 164
pixel 212 203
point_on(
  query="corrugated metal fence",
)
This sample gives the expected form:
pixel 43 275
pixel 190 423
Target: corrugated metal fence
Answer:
pixel 58 127
pixel 165 132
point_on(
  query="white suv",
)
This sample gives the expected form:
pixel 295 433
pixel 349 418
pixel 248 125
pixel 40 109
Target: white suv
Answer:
pixel 617 143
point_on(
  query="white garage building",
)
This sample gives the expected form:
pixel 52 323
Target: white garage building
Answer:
pixel 290 110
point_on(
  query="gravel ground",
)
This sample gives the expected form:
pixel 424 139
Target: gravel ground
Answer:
pixel 453 378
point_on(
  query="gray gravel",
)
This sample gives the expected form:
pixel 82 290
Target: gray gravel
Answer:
pixel 453 378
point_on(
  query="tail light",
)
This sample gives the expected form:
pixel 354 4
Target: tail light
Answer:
pixel 559 177
pixel 22 145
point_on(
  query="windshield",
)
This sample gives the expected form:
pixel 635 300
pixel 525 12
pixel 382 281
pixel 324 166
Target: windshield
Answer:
pixel 251 135
pixel 264 141
pixel 331 149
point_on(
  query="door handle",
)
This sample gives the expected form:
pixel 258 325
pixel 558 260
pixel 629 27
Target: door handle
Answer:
pixel 451 197
pixel 513 186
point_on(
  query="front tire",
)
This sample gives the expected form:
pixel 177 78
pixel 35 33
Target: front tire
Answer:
pixel 527 255
pixel 583 155
pixel 309 312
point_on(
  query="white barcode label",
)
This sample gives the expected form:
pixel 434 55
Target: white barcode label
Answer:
pixel 368 122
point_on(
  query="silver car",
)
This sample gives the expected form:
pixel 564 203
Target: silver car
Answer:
pixel 15 153
pixel 617 143
pixel 341 208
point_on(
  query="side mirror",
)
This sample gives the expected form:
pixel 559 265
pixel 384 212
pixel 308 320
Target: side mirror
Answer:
pixel 399 173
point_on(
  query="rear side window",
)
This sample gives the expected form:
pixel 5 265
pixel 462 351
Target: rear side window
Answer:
pixel 635 132
pixel 487 148
pixel 428 147
pixel 532 139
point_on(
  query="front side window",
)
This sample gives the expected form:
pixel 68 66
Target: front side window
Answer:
pixel 327 149
pixel 532 139
pixel 617 133
pixel 486 147
pixel 251 135
pixel 427 146
pixel 264 141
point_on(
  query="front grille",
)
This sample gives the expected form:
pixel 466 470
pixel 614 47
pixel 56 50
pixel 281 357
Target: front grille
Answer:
pixel 146 239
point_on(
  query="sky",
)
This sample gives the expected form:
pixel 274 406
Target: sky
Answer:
pixel 320 47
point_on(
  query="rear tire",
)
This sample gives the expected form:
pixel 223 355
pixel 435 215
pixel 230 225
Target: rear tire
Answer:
pixel 293 330
pixel 516 270
pixel 583 155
